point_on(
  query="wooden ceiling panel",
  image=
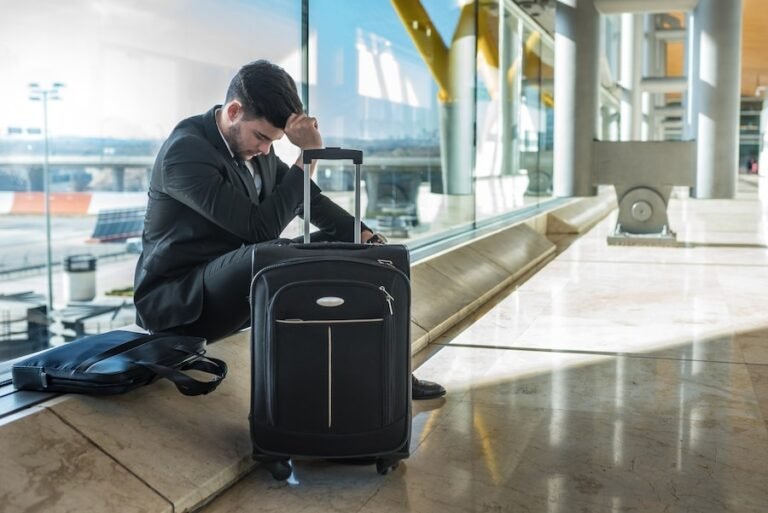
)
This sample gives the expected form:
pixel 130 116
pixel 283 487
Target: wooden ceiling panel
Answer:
pixel 754 47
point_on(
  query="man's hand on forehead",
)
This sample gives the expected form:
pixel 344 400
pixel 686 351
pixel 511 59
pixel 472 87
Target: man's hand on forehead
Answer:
pixel 302 131
pixel 300 117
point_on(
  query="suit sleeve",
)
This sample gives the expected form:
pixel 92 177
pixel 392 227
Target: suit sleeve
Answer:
pixel 334 221
pixel 192 176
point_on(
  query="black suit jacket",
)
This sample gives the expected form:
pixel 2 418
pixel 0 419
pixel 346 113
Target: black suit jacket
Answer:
pixel 201 206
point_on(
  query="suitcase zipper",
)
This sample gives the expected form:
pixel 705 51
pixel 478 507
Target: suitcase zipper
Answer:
pixel 84 385
pixel 389 299
pixel 295 261
pixel 389 359
pixel 328 321
pixel 330 378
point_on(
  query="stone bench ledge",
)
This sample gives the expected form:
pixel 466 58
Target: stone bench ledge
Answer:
pixel 155 450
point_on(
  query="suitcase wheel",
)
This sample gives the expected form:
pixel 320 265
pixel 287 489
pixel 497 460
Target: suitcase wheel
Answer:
pixel 280 469
pixel 385 465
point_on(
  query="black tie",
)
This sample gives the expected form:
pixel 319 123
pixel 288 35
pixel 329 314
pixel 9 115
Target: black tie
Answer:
pixel 250 185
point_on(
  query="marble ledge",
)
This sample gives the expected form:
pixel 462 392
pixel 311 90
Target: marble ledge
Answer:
pixel 49 466
pixel 154 450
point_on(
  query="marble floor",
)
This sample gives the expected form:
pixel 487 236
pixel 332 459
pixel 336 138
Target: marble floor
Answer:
pixel 616 379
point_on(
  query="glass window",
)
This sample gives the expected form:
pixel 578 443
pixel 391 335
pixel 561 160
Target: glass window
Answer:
pixel 386 86
pixel 450 101
pixel 124 87
pixel 500 181
pixel 515 120
pixel 536 114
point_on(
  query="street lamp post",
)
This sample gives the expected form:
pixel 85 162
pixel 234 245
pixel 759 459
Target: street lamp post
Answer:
pixel 44 94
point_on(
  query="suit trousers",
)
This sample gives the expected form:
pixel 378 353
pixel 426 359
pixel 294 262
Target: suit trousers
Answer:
pixel 227 289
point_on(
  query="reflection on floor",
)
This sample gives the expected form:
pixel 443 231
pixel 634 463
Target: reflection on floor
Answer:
pixel 616 379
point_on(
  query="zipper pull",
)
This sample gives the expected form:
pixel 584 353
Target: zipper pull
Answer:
pixel 389 299
pixel 385 262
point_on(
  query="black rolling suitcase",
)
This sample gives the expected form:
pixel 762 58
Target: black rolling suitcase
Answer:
pixel 330 346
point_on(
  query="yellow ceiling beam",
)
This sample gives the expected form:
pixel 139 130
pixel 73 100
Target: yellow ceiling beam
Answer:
pixel 427 40
pixel 435 53
pixel 487 41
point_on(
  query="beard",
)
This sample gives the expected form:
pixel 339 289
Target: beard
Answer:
pixel 236 142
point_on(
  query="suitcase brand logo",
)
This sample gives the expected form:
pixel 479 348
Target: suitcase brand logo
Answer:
pixel 330 301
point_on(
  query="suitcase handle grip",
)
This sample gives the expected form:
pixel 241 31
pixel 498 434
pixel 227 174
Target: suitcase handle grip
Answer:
pixel 331 245
pixel 333 153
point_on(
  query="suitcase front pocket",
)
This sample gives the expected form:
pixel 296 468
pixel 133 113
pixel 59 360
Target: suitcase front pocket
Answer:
pixel 329 375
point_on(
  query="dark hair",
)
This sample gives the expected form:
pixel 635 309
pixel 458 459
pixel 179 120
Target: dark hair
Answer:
pixel 266 91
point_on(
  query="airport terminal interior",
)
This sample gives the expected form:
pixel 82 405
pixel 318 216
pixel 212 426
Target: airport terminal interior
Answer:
pixel 581 186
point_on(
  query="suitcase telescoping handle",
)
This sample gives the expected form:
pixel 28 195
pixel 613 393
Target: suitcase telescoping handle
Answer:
pixel 332 153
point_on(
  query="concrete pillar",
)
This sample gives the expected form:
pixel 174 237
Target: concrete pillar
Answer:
pixel 118 179
pixel 457 115
pixel 762 161
pixel 715 96
pixel 678 110
pixel 79 179
pixel 510 86
pixel 688 132
pixel 638 69
pixel 35 182
pixel 577 57
pixel 631 74
pixel 653 82
pixel 626 76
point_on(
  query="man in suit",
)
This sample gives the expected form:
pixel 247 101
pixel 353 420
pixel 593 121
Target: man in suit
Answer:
pixel 217 188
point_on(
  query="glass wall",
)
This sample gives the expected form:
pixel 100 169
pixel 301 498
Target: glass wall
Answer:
pixel 610 72
pixel 131 70
pixel 409 106
pixel 515 121
pixel 452 103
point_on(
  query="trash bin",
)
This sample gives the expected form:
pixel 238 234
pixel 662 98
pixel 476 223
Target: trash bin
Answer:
pixel 80 277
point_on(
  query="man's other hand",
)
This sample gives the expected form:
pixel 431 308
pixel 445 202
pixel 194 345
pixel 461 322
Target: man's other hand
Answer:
pixel 303 132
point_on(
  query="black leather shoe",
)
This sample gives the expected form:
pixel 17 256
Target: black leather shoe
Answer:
pixel 421 389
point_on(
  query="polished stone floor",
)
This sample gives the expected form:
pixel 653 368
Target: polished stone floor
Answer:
pixel 617 379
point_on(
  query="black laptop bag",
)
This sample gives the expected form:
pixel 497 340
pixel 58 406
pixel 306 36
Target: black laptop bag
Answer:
pixel 331 348
pixel 118 361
